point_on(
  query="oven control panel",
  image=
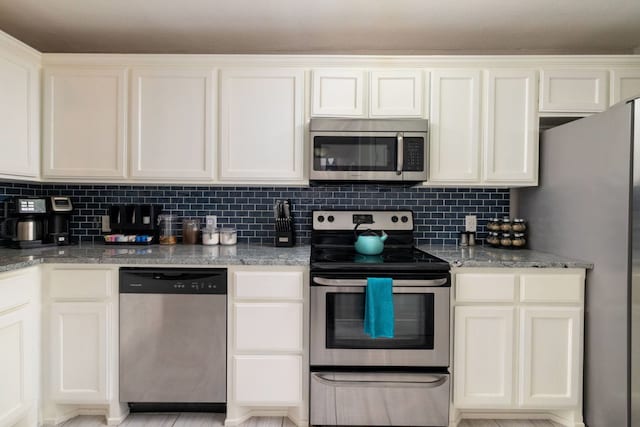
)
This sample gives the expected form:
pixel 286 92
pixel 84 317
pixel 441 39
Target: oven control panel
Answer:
pixel 375 220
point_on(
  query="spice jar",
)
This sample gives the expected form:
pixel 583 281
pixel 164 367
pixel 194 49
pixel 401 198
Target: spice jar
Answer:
pixel 493 238
pixel 505 224
pixel 518 225
pixel 228 236
pixel 518 240
pixel 168 229
pixel 190 231
pixel 506 240
pixel 493 224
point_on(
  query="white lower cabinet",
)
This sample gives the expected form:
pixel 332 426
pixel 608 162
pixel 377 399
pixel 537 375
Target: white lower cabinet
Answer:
pixel 80 357
pixel 19 347
pixel 267 348
pixel 518 346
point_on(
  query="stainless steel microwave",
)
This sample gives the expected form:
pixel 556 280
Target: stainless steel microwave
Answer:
pixel 381 150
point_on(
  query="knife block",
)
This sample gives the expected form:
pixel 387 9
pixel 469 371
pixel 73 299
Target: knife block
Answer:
pixel 286 237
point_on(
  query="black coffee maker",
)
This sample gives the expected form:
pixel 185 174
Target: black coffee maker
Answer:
pixel 59 210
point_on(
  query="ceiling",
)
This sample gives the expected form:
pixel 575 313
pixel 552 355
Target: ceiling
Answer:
pixel 326 26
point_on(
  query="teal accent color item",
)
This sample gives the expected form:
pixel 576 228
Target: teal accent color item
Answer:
pixel 379 317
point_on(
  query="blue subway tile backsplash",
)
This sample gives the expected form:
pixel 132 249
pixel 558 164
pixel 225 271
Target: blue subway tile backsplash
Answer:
pixel 439 212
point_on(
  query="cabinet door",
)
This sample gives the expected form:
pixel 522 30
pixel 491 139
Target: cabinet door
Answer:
pixel 78 354
pixel 396 93
pixel 19 116
pixel 14 365
pixel 84 122
pixel 511 131
pixel 171 123
pixel 551 360
pixel 483 357
pixel 262 122
pixel 455 126
pixel 625 84
pixel 268 326
pixel 573 91
pixel 268 380
pixel 336 92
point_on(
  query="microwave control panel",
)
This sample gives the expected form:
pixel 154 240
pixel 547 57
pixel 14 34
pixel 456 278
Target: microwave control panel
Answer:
pixel 413 155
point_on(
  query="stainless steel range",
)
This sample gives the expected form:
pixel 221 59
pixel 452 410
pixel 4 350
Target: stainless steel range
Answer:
pixel 359 380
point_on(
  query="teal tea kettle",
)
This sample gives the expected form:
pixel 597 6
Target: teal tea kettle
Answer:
pixel 369 243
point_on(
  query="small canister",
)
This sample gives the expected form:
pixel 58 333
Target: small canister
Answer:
pixel 210 236
pixel 168 229
pixel 190 231
pixel 228 236
pixel 493 238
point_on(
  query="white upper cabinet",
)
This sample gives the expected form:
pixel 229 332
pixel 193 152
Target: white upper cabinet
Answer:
pixel 338 92
pixel 454 154
pixel 19 109
pixel 262 125
pixel 573 90
pixel 396 93
pixel 84 122
pixel 172 123
pixel 511 127
pixel 625 84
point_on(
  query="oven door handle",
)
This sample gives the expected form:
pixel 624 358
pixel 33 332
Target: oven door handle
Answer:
pixel 429 382
pixel 322 281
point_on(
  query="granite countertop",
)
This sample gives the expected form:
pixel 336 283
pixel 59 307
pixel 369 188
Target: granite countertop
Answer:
pixel 246 254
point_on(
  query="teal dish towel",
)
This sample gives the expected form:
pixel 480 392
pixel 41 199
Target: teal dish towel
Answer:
pixel 378 308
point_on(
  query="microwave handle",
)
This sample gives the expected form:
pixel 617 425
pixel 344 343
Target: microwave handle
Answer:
pixel 362 283
pixel 400 148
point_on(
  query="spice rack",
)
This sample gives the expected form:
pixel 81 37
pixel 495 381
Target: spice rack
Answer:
pixel 507 233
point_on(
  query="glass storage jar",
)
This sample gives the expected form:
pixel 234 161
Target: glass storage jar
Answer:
pixel 493 224
pixel 228 236
pixel 190 231
pixel 506 240
pixel 210 236
pixel 168 229
pixel 505 224
pixel 493 238
pixel 518 225
pixel 518 240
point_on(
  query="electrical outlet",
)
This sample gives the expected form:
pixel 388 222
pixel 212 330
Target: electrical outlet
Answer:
pixel 470 223
pixel 106 227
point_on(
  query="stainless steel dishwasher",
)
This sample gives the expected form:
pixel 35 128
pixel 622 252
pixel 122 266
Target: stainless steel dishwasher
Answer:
pixel 173 324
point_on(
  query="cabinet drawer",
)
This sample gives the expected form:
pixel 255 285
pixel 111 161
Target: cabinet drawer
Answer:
pixel 268 380
pixel 566 288
pixel 268 285
pixel 74 283
pixel 268 326
pixel 17 288
pixel 482 287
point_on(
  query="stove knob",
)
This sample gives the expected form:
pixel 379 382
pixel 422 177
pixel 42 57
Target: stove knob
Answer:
pixel 404 218
pixel 394 219
pixel 320 218
pixel 330 218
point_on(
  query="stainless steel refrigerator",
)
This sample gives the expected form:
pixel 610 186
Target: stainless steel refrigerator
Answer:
pixel 587 206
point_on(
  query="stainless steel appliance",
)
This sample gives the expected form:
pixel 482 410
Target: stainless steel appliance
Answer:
pixel 359 380
pixel 25 222
pixel 588 207
pixel 173 338
pixel 384 150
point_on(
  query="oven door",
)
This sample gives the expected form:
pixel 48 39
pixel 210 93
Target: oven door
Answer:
pixel 337 325
pixel 377 156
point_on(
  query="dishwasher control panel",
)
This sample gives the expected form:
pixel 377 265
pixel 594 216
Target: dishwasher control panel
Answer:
pixel 173 280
